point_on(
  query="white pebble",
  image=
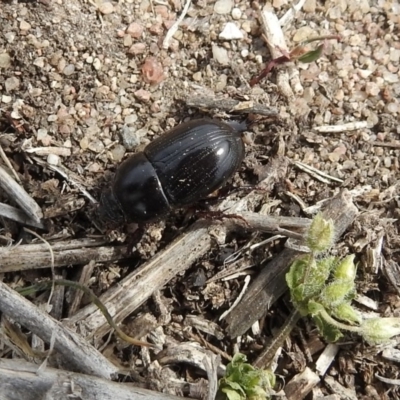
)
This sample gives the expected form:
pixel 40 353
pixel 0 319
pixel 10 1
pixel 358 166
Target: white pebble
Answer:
pixel 389 77
pixel 41 134
pixel 131 119
pixel 52 118
pixel 24 26
pixel 6 99
pixel 393 108
pixel 96 64
pixel 236 13
pixel 223 6
pixel 39 62
pixel 231 32
pixel 259 59
pixel 53 159
pixel 220 54
pixel 69 69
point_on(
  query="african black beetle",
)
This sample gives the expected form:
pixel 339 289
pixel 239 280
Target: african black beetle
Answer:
pixel 177 169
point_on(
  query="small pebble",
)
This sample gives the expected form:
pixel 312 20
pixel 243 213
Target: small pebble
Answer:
pixel 220 55
pixel 197 76
pixel 221 84
pixel 348 164
pixel 10 36
pixel 223 6
pixel 246 26
pixel 372 89
pixel 97 64
pixel 97 146
pixel 131 119
pixel 279 3
pixel 53 159
pixel 231 32
pixel 95 167
pixel 244 53
pixel 41 134
pixel 106 8
pixel 128 40
pixel 52 118
pixel 6 99
pixel 162 11
pixel 118 152
pixel 387 162
pixel 69 69
pixel 5 60
pixel 143 95
pixel 152 71
pixel 12 84
pixel 305 32
pixel 390 78
pixel 24 26
pixel 84 143
pixel 39 62
pixel 236 13
pixel 392 108
pixel 131 137
pixel 310 6
pixel 137 48
pixel 135 30
pixel 335 12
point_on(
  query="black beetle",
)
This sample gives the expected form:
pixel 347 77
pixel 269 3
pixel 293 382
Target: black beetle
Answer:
pixel 177 169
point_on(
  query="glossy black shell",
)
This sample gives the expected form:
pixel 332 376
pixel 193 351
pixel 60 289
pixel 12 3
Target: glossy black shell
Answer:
pixel 179 168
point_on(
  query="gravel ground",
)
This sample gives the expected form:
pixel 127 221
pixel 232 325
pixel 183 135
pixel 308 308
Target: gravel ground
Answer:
pixel 83 83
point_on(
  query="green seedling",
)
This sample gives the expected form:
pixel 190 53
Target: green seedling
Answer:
pixel 323 287
pixel 242 381
pixel 301 53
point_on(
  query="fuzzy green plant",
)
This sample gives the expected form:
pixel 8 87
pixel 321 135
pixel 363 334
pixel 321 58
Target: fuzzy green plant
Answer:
pixel 323 287
pixel 242 381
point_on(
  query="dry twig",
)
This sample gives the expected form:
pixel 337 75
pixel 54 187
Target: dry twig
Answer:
pixel 20 380
pixel 77 351
pixel 18 194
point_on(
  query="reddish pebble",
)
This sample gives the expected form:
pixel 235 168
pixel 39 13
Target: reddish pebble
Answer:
pixel 135 30
pixel 152 71
pixel 143 95
pixel 156 29
pixel 137 48
pixel 169 23
pixel 162 10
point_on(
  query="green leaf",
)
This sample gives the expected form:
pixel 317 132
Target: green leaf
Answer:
pixel 346 269
pixel 380 330
pixel 243 381
pixel 323 269
pixel 312 55
pixel 345 312
pixel 295 276
pixel 232 394
pixel 337 293
pixel 321 232
pixel 329 332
